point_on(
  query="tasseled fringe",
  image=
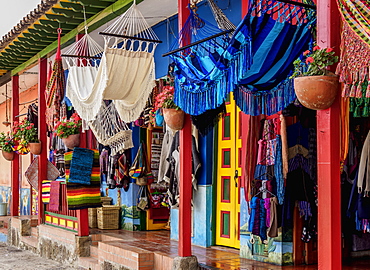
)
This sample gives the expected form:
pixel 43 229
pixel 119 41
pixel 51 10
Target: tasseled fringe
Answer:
pixel 195 99
pixel 265 102
pixel 354 66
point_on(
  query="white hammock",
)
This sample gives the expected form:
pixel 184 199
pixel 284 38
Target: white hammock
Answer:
pixel 126 73
pixel 109 129
pixel 82 60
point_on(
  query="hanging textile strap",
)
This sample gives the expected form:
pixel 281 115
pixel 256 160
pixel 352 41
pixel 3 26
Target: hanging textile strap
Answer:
pixel 261 54
pixel 55 86
pixel 200 81
pixel 222 21
pixel 354 65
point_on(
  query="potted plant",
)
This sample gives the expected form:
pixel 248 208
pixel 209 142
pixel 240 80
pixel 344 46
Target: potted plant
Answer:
pixel 26 133
pixel 315 86
pixel 6 145
pixel 69 130
pixel 173 115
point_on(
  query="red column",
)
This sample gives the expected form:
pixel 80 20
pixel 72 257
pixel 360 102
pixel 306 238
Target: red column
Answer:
pixel 42 175
pixel 14 206
pixel 185 165
pixel 82 214
pixel 328 155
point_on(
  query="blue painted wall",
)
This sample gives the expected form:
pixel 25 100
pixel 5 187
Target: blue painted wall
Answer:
pixel 203 198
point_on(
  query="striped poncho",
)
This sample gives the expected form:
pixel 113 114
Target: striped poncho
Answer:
pixel 83 196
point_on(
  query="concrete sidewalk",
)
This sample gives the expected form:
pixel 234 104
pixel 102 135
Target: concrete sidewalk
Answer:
pixel 12 258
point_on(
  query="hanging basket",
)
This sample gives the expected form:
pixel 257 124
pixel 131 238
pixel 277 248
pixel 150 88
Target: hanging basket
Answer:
pixel 316 92
pixel 174 118
pixel 8 155
pixel 35 148
pixel 72 141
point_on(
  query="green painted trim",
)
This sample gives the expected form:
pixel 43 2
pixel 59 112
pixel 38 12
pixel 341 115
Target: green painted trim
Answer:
pixel 64 228
pixel 93 23
pixel 60 216
pixel 214 184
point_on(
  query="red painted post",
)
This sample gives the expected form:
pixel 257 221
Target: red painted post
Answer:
pixel 14 205
pixel 185 165
pixel 328 155
pixel 82 214
pixel 43 74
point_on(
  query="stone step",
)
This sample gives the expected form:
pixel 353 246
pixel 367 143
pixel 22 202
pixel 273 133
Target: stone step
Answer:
pixel 34 232
pixel 30 241
pixel 89 263
pixel 121 253
pixel 94 252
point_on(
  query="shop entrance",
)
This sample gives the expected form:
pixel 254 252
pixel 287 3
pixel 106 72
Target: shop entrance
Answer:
pixel 228 177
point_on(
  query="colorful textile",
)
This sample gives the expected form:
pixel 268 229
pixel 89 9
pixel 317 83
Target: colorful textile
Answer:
pixel 54 203
pixel 83 196
pixel 81 166
pixel 261 53
pixel 201 82
pixel 353 68
pixel 45 189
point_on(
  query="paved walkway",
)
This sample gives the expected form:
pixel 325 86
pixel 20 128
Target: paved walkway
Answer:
pixel 16 259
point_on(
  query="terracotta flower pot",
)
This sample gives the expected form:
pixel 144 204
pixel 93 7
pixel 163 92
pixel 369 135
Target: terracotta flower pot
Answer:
pixel 8 155
pixel 72 141
pixel 316 92
pixel 35 148
pixel 174 118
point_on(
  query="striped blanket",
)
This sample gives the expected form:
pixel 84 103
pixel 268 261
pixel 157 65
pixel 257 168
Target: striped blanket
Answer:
pixel 45 189
pixel 83 196
pixel 354 65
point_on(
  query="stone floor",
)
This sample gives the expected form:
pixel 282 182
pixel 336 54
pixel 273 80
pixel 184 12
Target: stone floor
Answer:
pixel 16 259
pixel 210 258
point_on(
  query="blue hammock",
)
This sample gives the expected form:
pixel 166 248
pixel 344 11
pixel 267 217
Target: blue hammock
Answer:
pixel 199 71
pixel 261 55
pixel 255 64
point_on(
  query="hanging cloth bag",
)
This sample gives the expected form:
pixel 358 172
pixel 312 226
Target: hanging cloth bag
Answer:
pixel 137 168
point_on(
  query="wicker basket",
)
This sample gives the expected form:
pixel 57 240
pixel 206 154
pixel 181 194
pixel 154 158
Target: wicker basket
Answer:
pixel 108 217
pixel 93 220
pixel 106 200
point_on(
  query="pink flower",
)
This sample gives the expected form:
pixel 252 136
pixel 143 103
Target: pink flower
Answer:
pixel 306 52
pixel 310 60
pixel 328 50
pixel 316 48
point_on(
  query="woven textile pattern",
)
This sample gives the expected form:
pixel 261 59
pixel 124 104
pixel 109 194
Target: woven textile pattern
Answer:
pixel 54 196
pixel 81 166
pixel 45 189
pixel 354 64
pixel 83 196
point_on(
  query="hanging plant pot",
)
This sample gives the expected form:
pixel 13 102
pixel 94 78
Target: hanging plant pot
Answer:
pixel 316 92
pixel 8 155
pixel 72 141
pixel 174 118
pixel 35 148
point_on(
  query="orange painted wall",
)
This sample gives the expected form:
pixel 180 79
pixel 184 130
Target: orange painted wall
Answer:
pixel 5 166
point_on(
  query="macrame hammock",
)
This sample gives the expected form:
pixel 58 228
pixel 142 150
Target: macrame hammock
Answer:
pixel 261 53
pixel 109 129
pixel 83 60
pixel 126 73
pixel 54 92
pixel 200 82
pixel 354 66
